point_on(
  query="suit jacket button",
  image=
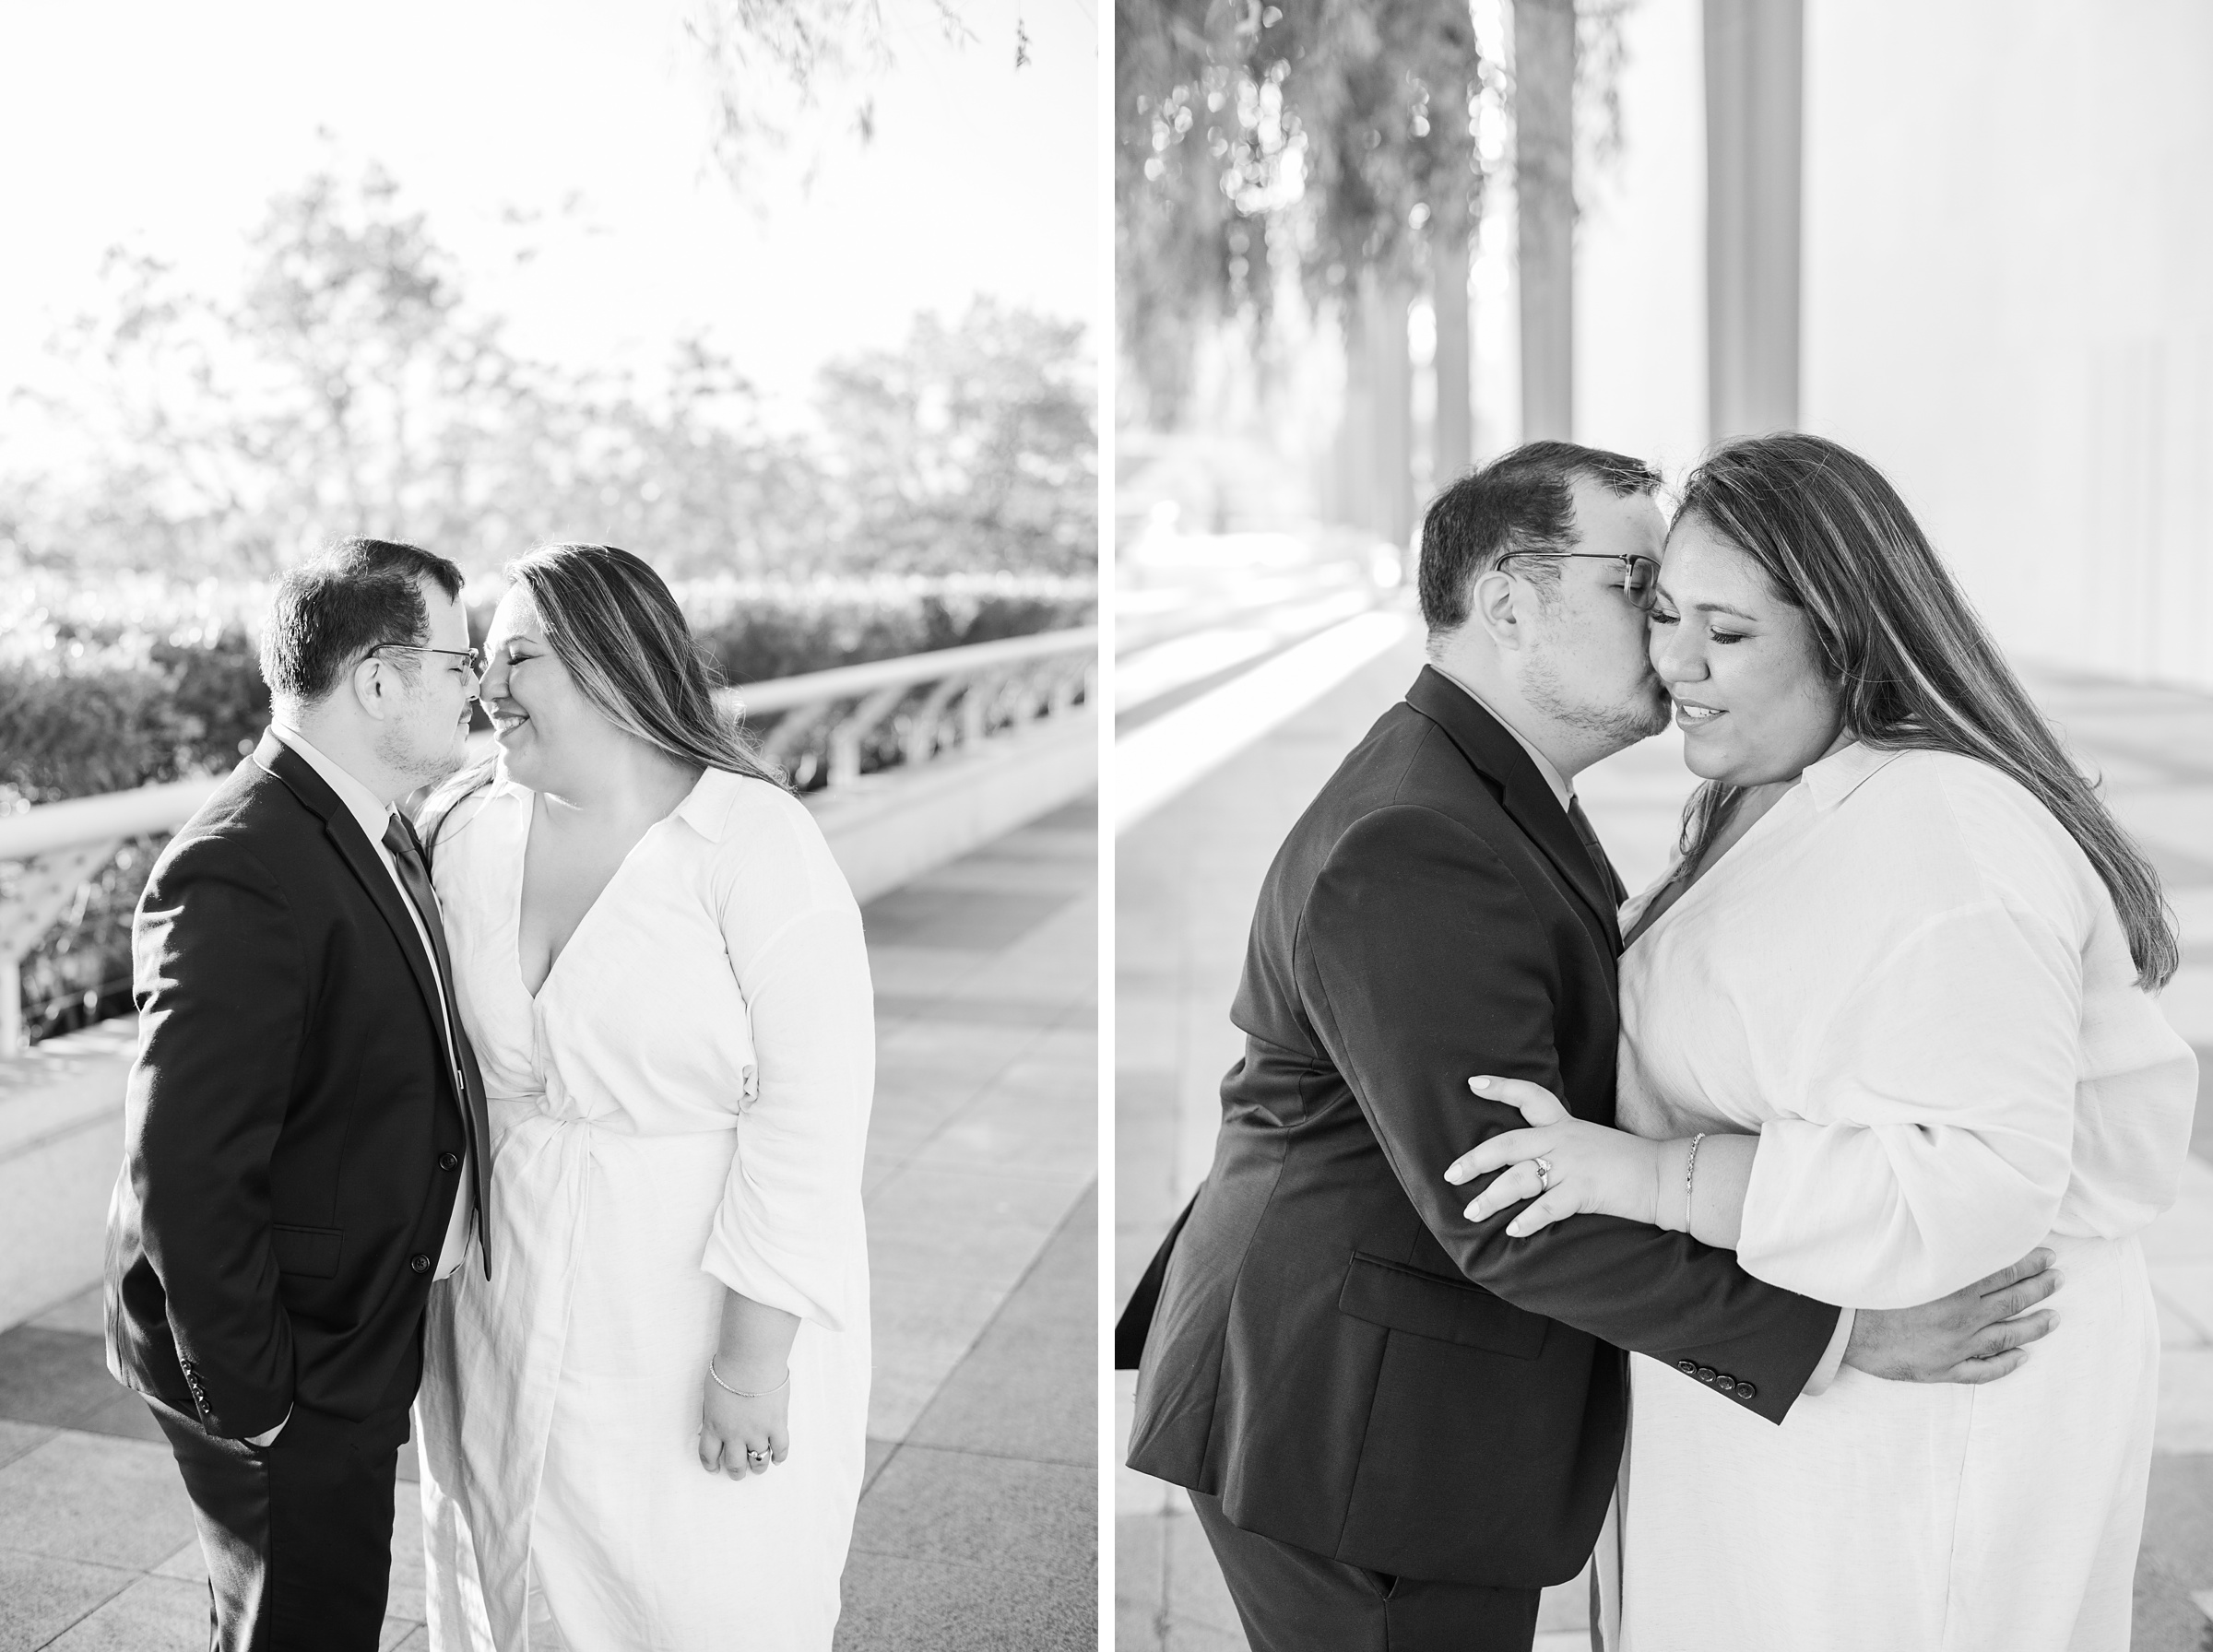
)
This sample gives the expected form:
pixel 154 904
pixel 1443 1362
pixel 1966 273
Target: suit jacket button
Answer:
pixel 1724 1381
pixel 1688 1368
pixel 1706 1374
pixel 420 1263
pixel 1746 1391
pixel 449 1161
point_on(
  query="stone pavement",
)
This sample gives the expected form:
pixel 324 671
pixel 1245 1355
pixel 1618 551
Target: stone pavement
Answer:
pixel 977 1528
pixel 1187 877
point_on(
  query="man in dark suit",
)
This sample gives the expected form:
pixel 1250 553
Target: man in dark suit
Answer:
pixel 305 1126
pixel 1397 1425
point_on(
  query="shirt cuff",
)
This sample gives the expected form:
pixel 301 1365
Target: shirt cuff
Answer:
pixel 270 1437
pixel 1833 1360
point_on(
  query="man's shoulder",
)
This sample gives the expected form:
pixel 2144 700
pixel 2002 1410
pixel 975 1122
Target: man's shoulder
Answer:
pixel 1408 774
pixel 250 825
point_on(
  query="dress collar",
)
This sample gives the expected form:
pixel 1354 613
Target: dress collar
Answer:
pixel 1843 773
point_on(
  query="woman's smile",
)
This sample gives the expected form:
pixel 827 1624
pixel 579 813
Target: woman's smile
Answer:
pixel 1689 714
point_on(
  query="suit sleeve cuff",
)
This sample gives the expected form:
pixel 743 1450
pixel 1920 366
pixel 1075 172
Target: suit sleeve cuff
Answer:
pixel 1833 1362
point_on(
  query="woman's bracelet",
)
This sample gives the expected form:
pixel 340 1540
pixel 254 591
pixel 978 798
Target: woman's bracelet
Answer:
pixel 740 1392
pixel 1690 1171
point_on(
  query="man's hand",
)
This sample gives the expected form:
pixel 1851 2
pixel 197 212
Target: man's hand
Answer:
pixel 1971 1335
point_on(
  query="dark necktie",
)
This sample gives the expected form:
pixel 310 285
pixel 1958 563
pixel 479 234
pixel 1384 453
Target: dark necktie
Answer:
pixel 407 859
pixel 1592 848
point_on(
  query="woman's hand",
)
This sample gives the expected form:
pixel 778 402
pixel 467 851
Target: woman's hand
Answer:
pixel 740 1436
pixel 1608 1173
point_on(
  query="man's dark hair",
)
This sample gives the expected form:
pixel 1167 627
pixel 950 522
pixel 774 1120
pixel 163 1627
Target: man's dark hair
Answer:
pixel 331 610
pixel 1522 501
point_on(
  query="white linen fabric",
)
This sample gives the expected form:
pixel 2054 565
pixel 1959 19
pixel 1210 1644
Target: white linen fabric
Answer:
pixel 1910 981
pixel 681 1108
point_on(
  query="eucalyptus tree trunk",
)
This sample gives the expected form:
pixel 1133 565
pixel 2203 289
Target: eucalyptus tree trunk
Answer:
pixel 1452 441
pixel 1755 72
pixel 1385 298
pixel 1544 207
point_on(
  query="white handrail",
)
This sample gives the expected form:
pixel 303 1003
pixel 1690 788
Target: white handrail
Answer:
pixel 843 682
pixel 112 815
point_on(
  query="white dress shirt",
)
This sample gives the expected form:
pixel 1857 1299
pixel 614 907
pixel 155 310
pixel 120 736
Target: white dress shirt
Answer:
pixel 374 816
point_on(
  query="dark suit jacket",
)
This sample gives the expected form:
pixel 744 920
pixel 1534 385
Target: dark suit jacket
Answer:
pixel 294 1127
pixel 1336 1353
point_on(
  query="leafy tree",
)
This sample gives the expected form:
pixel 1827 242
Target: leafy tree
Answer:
pixel 351 388
pixel 973 447
pixel 1314 137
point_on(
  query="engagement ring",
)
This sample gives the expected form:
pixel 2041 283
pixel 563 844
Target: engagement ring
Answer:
pixel 756 1457
pixel 1543 1174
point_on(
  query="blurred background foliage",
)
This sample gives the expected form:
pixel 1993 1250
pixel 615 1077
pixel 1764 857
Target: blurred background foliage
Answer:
pixel 349 385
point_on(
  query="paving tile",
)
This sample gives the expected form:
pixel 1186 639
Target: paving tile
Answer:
pixel 922 1327
pixel 41 1596
pixel 1027 1389
pixel 2178 1516
pixel 875 1453
pixel 2185 1416
pixel 897 1604
pixel 19 1438
pixel 49 1377
pixel 1139 1584
pixel 190 1562
pixel 2184 1293
pixel 115 1503
pixel 958 1009
pixel 417 1639
pixel 155 1615
pixel 125 1417
pixel 1197 1612
pixel 964 1224
pixel 996 1513
pixel 2164 1617
pixel 403 1632
pixel 957 919
pixel 1013 1128
pixel 85 1311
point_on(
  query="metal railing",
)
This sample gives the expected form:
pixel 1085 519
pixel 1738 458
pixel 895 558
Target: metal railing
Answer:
pixel 827 729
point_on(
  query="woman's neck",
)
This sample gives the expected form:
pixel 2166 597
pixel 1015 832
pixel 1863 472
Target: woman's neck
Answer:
pixel 627 780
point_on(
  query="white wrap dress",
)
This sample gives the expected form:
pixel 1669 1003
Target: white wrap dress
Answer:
pixel 681 1108
pixel 1910 981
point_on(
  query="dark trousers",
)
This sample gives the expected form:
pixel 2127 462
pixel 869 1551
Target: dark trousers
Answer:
pixel 1294 1601
pixel 298 1534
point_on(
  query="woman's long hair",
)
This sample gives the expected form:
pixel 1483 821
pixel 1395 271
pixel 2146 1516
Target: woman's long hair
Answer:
pixel 1916 667
pixel 613 624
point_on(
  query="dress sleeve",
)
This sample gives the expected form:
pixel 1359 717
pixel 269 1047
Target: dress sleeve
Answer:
pixel 788 1233
pixel 1926 1141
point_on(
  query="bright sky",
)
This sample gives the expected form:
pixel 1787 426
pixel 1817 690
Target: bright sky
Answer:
pixel 170 127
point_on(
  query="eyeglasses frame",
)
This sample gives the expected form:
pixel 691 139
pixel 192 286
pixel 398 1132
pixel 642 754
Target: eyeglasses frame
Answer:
pixel 1628 559
pixel 475 660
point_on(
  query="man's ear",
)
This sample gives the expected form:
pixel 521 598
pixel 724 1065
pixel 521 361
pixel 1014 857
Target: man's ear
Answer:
pixel 372 684
pixel 1493 604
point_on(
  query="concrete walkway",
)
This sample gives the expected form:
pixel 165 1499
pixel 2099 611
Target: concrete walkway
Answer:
pixel 977 1529
pixel 1187 877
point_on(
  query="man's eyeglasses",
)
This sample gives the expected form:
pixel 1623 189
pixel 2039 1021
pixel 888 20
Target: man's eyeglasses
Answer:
pixel 472 659
pixel 1639 574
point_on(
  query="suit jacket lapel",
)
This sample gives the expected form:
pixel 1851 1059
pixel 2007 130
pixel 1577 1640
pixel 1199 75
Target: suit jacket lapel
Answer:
pixel 1485 743
pixel 344 833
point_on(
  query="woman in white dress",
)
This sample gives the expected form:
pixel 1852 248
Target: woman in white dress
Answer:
pixel 646 1428
pixel 1885 1025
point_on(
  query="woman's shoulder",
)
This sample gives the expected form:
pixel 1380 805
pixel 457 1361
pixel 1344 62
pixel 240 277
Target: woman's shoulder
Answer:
pixel 1984 826
pixel 757 827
